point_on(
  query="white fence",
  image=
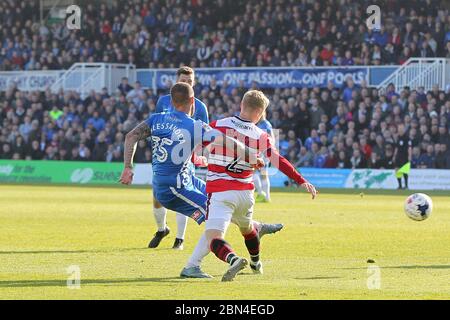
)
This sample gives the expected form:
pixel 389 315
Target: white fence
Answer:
pixel 420 72
pixel 87 77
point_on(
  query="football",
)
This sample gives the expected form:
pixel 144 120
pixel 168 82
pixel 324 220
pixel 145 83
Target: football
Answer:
pixel 418 206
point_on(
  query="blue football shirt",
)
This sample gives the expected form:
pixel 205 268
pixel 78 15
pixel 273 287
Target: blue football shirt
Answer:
pixel 174 135
pixel 164 104
pixel 266 126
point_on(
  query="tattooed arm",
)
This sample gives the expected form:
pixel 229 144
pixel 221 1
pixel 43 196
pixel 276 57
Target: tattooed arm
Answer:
pixel 140 132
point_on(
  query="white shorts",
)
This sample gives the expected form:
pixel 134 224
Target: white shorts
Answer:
pixel 230 206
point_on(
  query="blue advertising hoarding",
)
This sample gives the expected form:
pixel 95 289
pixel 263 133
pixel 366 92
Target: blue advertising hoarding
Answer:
pixel 379 74
pixel 321 178
pixel 271 77
pixel 263 77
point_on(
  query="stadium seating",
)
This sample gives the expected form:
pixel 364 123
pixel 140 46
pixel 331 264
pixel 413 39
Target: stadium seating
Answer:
pixel 349 127
pixel 198 33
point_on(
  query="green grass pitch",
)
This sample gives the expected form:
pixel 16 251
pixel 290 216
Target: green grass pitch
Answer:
pixel 321 254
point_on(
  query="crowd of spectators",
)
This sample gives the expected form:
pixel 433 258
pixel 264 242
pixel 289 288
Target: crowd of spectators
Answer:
pixel 224 33
pixel 351 127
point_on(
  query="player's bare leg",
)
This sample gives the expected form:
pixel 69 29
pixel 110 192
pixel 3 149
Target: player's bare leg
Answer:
pixel 224 252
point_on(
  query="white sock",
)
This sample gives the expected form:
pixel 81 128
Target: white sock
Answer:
pixel 257 182
pixel 265 182
pixel 160 217
pixel 200 252
pixel 182 224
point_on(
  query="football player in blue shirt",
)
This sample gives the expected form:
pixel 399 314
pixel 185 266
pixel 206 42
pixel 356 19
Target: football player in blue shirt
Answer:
pixel 200 112
pixel 174 136
pixel 261 178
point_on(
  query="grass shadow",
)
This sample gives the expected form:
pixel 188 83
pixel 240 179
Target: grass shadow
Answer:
pixel 318 278
pixel 63 283
pixel 70 251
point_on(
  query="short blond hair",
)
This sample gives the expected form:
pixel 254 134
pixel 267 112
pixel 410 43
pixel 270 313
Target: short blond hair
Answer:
pixel 255 99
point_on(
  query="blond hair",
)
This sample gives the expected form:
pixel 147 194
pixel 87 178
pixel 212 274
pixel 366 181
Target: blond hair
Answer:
pixel 255 99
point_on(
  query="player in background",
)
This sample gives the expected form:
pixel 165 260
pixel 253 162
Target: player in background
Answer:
pixel 230 186
pixel 402 156
pixel 174 135
pixel 200 112
pixel 261 177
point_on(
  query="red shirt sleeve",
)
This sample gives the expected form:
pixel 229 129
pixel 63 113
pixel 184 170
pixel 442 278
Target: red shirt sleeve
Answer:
pixel 281 163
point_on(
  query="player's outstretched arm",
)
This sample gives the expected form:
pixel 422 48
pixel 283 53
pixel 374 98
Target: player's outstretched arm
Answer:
pixel 140 132
pixel 198 159
pixel 288 169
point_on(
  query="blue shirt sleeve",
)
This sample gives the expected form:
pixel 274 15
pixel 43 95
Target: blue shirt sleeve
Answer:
pixel 160 105
pixel 266 126
pixel 269 128
pixel 201 111
pixel 149 121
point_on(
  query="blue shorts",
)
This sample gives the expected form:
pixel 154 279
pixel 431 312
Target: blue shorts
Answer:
pixel 188 200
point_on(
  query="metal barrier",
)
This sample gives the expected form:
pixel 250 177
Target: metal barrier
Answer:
pixel 87 77
pixel 420 72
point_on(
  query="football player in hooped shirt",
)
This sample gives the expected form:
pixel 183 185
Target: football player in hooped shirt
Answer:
pixel 200 112
pixel 229 184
